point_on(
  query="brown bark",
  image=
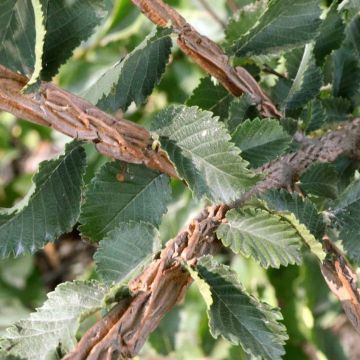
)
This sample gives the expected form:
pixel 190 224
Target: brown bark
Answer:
pixel 208 55
pixel 54 107
pixel 162 284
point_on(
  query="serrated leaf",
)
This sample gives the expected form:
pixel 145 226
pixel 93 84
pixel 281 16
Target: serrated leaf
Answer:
pixel 308 238
pixel 261 235
pixel 240 109
pixel 134 77
pixel 17 35
pixel 321 180
pixel 54 324
pixel 306 83
pixel 202 286
pixel 315 115
pixel 285 24
pixel 303 209
pixel 200 148
pixel 40 12
pixel 50 210
pixel 239 317
pixel 346 73
pixel 336 109
pixel 208 96
pixel 241 22
pixel 141 196
pixel 353 34
pixel 68 23
pixel 347 212
pixel 125 251
pixel 260 140
pixel 331 34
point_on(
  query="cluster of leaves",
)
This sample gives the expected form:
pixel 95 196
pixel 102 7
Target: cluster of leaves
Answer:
pixel 215 142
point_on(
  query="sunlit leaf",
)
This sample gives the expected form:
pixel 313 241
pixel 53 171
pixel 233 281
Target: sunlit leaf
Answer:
pixel 303 209
pixel 261 235
pixel 55 324
pixel 200 148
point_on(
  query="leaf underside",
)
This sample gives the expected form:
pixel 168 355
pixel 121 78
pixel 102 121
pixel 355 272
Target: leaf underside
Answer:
pixel 54 324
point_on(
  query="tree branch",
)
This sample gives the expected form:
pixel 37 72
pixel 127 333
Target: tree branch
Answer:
pixel 208 55
pixel 162 284
pixel 73 116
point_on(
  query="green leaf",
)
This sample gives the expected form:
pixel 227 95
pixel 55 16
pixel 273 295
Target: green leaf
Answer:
pixel 125 251
pixel 353 34
pixel 346 73
pixel 50 210
pixel 336 109
pixel 306 83
pixel 303 209
pixel 202 285
pixel 239 317
pixel 134 77
pixel 331 34
pixel 314 116
pixel 261 235
pixel 285 24
pixel 347 213
pixel 240 109
pixel 200 148
pixel 308 238
pixel 261 140
pixel 68 23
pixel 17 35
pixel 40 9
pixel 241 23
pixel 321 180
pixel 211 97
pixel 141 196
pixel 54 324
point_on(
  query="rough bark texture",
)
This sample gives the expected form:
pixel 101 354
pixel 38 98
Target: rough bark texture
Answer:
pixel 162 284
pixel 77 118
pixel 123 331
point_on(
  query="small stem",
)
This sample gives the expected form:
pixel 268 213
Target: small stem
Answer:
pixel 212 13
pixel 270 70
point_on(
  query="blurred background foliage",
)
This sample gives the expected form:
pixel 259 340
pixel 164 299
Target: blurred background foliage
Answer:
pixel 313 317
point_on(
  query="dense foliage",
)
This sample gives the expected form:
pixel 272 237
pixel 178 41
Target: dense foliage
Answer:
pixel 266 292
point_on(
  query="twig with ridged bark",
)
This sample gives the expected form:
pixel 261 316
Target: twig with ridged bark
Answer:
pixel 162 284
pixel 208 55
pixel 54 107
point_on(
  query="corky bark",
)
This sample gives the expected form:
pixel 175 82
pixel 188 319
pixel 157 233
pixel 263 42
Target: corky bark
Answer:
pixel 162 284
pixel 208 55
pixel 54 107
